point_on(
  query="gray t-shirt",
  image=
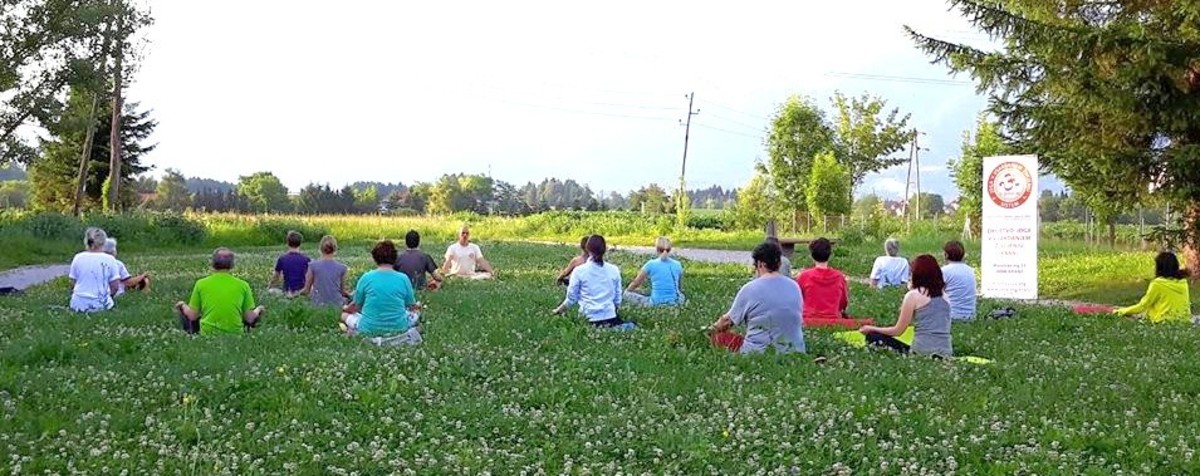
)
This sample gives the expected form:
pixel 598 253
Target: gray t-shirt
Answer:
pixel 771 309
pixel 960 290
pixel 327 282
pixel 415 263
pixel 932 333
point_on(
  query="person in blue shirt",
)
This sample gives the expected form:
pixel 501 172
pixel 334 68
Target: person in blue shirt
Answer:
pixel 596 287
pixel 384 301
pixel 666 279
pixel 890 269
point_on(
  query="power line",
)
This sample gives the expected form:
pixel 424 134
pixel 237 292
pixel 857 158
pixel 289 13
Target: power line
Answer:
pixel 730 109
pixel 574 111
pixel 739 123
pixel 727 131
pixel 898 79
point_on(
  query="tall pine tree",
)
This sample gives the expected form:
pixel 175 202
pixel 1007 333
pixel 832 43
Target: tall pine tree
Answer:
pixel 1107 93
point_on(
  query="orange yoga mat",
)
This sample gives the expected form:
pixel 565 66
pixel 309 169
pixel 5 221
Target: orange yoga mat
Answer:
pixel 842 323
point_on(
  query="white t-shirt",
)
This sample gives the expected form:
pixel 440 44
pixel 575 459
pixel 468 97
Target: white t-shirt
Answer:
pixel 92 273
pixel 122 275
pixel 890 271
pixel 960 290
pixel 462 258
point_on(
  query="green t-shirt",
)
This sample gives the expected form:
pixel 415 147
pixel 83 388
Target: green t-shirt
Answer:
pixel 384 297
pixel 222 301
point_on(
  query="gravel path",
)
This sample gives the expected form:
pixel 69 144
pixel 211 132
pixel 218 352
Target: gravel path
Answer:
pixel 27 276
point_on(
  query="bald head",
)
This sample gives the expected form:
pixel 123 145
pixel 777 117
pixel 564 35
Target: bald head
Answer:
pixel 222 259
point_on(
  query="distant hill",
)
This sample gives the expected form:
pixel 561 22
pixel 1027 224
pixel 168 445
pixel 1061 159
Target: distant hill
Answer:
pixel 197 185
pixel 12 172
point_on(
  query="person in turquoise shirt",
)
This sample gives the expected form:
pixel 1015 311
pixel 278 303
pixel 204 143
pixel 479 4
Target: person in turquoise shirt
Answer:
pixel 384 300
pixel 666 279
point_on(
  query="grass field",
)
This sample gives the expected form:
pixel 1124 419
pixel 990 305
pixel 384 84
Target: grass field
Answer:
pixel 502 387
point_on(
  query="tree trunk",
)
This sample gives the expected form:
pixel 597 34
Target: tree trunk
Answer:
pixel 114 137
pixel 85 156
pixel 1191 239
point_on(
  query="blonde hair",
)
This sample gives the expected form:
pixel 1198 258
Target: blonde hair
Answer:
pixel 663 245
pixel 328 244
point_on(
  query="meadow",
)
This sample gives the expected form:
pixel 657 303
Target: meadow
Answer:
pixel 500 386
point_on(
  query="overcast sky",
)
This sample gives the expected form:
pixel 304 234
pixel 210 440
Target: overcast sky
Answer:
pixel 407 91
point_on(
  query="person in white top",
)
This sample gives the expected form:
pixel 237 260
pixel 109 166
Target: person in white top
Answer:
pixel 465 259
pixel 141 281
pixel 96 275
pixel 892 269
pixel 596 287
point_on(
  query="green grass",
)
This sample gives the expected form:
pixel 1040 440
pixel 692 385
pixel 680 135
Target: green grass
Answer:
pixel 501 386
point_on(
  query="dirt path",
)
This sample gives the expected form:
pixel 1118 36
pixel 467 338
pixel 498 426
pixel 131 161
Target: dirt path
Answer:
pixel 27 276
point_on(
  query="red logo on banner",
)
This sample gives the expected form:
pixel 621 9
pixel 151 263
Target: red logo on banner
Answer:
pixel 1010 185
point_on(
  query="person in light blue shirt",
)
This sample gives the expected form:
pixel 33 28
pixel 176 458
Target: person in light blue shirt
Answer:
pixel 384 300
pixel 960 283
pixel 666 279
pixel 892 269
pixel 596 287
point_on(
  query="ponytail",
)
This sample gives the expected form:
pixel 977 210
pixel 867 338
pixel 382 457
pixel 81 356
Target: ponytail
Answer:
pixel 596 247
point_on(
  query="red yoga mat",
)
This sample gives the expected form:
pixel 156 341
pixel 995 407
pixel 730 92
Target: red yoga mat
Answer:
pixel 1092 309
pixel 836 322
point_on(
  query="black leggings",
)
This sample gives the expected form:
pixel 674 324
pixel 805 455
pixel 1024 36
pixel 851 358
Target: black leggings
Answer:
pixel 614 322
pixel 890 342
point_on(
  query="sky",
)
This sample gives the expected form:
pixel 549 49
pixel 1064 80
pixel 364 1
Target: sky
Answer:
pixel 524 90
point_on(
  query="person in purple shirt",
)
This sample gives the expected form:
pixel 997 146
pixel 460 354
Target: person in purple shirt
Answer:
pixel 292 267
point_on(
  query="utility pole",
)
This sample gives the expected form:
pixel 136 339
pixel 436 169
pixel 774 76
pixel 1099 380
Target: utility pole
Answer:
pixel 681 200
pixel 914 166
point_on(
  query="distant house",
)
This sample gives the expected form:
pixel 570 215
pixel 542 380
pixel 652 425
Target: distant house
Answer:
pixel 146 197
pixel 894 207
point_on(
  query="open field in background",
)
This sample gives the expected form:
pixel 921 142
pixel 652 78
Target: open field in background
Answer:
pixel 501 386
pixel 1069 268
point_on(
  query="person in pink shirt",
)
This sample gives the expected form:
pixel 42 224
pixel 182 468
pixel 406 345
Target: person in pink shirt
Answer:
pixel 826 294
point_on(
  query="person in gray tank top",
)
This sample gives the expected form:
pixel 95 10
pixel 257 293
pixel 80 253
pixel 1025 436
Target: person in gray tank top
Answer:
pixel 325 283
pixel 925 309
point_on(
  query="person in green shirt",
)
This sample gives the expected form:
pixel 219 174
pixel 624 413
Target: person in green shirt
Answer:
pixel 221 303
pixel 1168 297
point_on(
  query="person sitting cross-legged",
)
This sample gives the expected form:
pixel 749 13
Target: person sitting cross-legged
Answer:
pixel 95 274
pixel 221 303
pixel 384 301
pixel 666 279
pixel 325 280
pixel 925 309
pixel 464 259
pixel 291 269
pixel 596 287
pixel 417 264
pixel 826 295
pixel 140 282
pixel 770 307
pixel 891 269
pixel 1168 297
pixel 564 277
pixel 960 283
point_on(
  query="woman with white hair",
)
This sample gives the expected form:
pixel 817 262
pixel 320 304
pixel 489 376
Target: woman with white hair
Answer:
pixel 141 281
pixel 666 279
pixel 891 269
pixel 95 275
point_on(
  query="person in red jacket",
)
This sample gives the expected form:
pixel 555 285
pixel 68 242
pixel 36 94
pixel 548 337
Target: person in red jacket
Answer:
pixel 826 294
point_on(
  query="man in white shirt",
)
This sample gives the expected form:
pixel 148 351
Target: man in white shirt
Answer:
pixel 465 259
pixel 890 270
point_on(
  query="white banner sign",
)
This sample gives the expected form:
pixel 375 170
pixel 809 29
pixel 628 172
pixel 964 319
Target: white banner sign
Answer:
pixel 1010 227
